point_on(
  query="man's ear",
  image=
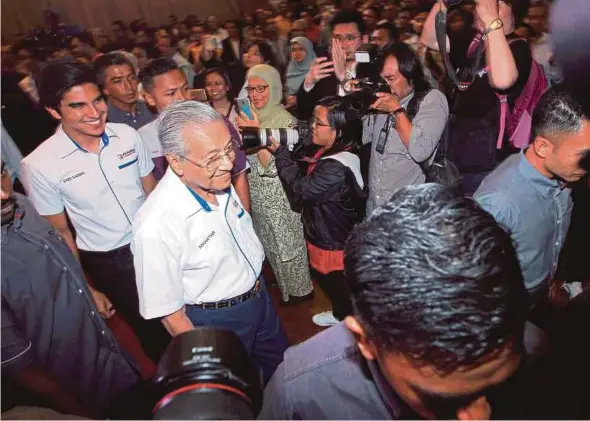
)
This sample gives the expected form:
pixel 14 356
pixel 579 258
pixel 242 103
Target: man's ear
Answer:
pixel 149 99
pixel 542 147
pixel 174 163
pixel 53 113
pixel 366 346
pixel 365 39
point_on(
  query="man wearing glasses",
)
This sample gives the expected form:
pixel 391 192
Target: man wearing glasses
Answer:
pixel 164 83
pixel 197 258
pixel 328 75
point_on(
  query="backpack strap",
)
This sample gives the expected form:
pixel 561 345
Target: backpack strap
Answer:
pixel 504 108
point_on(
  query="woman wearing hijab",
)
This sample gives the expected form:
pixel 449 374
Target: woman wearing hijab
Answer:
pixel 279 228
pixel 302 56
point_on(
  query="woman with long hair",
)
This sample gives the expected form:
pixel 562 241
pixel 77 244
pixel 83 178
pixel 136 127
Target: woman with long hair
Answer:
pixel 329 189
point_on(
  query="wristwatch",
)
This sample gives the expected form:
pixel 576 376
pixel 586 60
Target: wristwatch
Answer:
pixel 495 24
pixel 398 111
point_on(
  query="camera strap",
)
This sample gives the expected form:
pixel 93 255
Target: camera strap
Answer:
pixel 441 37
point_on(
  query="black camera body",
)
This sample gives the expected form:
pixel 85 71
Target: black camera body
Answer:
pixel 365 95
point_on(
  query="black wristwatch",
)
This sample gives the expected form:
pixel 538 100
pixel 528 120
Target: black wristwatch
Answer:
pixel 398 111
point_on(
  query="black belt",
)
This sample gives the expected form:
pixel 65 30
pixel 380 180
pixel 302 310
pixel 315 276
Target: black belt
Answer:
pixel 231 301
pixel 107 254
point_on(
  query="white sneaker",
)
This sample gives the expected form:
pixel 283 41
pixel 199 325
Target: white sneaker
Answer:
pixel 325 319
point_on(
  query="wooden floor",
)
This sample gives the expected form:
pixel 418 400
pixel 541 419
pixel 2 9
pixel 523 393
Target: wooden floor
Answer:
pixel 296 321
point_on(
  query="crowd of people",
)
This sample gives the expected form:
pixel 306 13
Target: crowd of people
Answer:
pixel 130 185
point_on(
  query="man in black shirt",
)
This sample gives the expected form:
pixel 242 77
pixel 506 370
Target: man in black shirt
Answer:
pixel 504 70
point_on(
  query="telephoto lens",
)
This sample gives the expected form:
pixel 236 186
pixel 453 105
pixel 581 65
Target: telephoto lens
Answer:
pixel 253 138
pixel 206 374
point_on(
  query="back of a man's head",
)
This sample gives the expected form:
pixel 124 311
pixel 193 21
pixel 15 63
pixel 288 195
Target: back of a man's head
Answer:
pixel 434 278
pixel 556 113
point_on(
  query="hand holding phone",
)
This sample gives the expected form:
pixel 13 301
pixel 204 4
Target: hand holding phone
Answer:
pixel 244 107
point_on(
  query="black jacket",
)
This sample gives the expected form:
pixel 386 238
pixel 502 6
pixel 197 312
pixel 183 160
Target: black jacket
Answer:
pixel 330 198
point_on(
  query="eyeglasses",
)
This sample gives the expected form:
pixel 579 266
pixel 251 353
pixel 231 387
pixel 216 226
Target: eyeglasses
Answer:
pixel 214 163
pixel 316 121
pixel 347 38
pixel 260 89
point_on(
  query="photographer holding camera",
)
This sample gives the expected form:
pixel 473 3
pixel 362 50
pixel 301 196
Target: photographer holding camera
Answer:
pixel 407 127
pixel 496 63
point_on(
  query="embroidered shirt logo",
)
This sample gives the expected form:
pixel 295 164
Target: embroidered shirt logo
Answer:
pixel 126 154
pixel 73 177
pixel 206 240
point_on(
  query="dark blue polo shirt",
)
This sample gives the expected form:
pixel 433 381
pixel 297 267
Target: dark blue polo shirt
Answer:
pixel 142 115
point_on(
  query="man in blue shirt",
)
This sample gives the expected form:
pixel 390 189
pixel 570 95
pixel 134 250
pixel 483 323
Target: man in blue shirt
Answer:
pixel 439 310
pixel 119 82
pixel 529 194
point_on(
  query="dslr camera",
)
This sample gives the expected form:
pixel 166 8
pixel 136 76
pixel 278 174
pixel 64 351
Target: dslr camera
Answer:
pixel 366 88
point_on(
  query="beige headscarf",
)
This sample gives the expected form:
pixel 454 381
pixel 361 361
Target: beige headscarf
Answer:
pixel 273 107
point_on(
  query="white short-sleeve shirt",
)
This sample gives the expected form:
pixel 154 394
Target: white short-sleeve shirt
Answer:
pixel 149 135
pixel 187 251
pixel 100 192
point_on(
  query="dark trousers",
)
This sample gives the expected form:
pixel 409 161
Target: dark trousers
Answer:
pixel 335 287
pixel 257 325
pixel 113 274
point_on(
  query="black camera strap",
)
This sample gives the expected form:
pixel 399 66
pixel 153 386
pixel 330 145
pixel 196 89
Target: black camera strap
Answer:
pixel 441 37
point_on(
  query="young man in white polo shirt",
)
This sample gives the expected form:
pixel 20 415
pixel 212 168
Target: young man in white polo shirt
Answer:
pixel 197 258
pixel 100 174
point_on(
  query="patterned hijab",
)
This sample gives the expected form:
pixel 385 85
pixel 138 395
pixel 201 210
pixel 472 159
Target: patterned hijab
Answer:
pixel 296 72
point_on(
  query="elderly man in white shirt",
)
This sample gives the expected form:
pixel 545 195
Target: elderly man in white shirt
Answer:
pixel 97 175
pixel 197 258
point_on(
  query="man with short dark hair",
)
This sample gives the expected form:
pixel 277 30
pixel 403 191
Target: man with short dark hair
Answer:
pixel 328 76
pixel 529 194
pixel 439 309
pixel 371 16
pixel 100 174
pixel 384 34
pixel 118 81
